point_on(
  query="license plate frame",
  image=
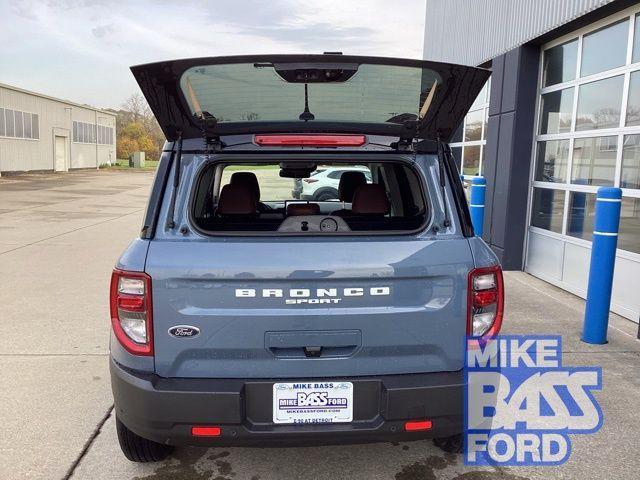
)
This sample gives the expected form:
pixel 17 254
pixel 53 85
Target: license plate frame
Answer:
pixel 312 402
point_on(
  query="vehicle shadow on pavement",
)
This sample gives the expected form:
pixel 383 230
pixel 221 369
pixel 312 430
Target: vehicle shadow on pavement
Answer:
pixel 419 460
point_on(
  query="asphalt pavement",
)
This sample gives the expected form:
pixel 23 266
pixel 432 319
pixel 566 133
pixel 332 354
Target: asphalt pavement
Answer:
pixel 59 238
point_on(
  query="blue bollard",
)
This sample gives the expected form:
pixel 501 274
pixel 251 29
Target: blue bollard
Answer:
pixel 476 203
pixel 603 256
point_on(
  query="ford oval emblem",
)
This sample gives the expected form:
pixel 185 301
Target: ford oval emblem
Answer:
pixel 184 331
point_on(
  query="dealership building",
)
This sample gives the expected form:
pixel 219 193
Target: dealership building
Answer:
pixel 42 133
pixel 559 117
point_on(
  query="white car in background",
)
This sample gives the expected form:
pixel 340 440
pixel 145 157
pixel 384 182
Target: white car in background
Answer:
pixel 323 183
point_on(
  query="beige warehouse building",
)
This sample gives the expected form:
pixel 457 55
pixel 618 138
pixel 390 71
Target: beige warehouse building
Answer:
pixel 42 133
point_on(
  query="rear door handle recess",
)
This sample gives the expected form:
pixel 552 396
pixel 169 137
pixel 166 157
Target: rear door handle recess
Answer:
pixel 312 352
pixel 313 344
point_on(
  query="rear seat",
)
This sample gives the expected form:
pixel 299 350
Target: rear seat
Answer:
pixel 237 210
pixel 369 200
pixel 370 211
pixel 349 183
pixel 236 200
pixel 250 180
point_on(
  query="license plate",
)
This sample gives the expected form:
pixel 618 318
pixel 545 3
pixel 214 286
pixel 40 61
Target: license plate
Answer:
pixel 313 402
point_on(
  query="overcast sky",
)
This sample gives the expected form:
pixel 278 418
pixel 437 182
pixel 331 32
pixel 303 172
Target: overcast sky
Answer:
pixel 80 50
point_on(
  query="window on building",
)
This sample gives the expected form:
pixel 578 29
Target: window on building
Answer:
pixel 605 48
pixel 630 177
pixel 560 63
pixel 556 108
pixel 548 209
pixel 35 126
pixel 18 121
pixel 629 231
pixel 589 131
pixel 633 102
pixel 91 133
pixel 552 160
pixel 594 161
pixel 27 124
pixel 469 141
pixel 19 124
pixel 10 123
pixel 599 104
pixel 582 208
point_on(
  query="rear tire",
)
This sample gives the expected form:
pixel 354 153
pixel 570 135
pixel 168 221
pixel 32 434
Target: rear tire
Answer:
pixel 138 449
pixel 325 195
pixel 451 444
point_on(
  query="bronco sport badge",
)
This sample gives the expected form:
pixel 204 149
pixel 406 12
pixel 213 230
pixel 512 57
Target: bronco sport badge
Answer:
pixel 297 296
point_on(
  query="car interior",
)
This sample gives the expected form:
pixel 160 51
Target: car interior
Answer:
pixel 242 197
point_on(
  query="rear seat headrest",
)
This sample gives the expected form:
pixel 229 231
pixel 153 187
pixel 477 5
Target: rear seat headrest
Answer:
pixel 370 199
pixel 249 179
pixel 236 200
pixel 303 209
pixel 349 183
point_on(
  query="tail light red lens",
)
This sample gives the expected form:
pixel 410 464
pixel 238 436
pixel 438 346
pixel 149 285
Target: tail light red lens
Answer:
pixel 311 140
pixel 131 311
pixel 485 302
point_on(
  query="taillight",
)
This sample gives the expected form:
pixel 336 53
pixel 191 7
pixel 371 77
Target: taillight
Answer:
pixel 313 140
pixel 485 302
pixel 131 314
pixel 309 180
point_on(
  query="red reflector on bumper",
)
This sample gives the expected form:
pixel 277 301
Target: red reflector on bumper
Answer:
pixel 206 431
pixel 311 140
pixel 417 425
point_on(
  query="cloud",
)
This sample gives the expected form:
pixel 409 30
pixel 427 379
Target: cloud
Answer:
pixel 102 30
pixel 90 44
pixel 24 10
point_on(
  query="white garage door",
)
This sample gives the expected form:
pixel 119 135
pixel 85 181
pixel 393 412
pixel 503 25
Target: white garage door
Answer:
pixel 588 135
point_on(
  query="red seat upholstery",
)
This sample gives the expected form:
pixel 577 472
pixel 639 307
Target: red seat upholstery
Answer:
pixel 370 199
pixel 236 200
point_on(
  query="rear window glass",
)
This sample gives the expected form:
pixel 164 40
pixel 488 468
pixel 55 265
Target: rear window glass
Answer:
pixel 251 92
pixel 309 198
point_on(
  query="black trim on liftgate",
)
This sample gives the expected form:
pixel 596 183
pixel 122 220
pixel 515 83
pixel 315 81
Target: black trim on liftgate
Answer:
pixel 165 409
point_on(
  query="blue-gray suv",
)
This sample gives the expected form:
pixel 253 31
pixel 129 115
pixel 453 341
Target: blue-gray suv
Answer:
pixel 244 316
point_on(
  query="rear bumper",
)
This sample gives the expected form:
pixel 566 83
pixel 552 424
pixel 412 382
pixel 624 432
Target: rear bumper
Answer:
pixel 164 410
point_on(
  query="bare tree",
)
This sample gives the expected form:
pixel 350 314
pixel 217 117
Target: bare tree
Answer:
pixel 138 107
